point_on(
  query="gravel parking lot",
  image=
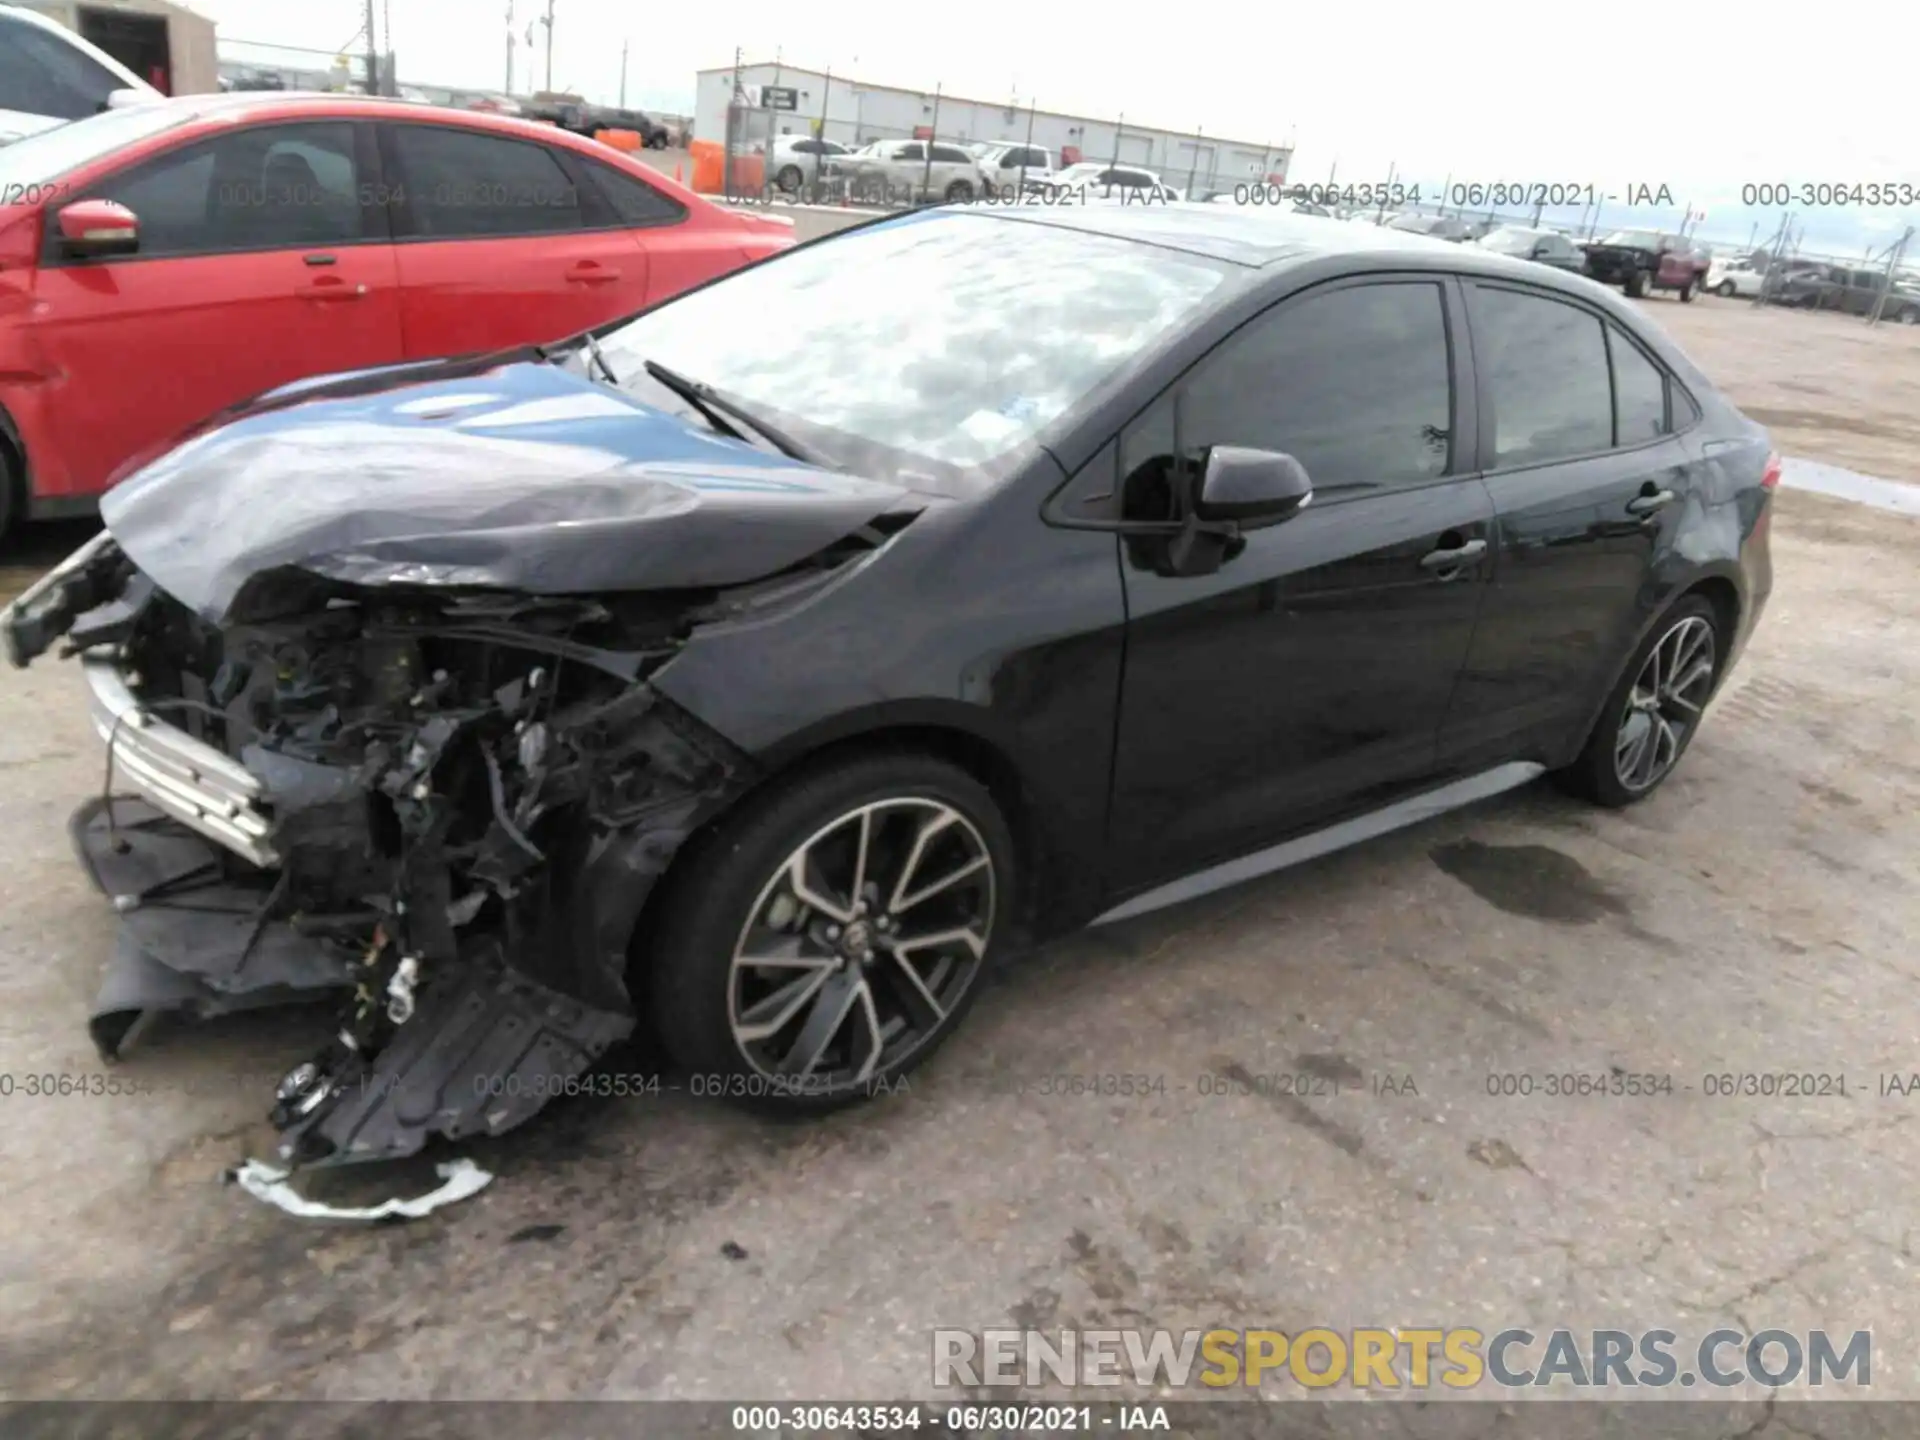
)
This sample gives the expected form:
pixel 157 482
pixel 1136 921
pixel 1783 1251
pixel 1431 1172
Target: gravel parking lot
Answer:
pixel 1756 915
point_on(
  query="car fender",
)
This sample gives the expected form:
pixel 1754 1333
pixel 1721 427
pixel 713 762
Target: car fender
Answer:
pixel 1669 584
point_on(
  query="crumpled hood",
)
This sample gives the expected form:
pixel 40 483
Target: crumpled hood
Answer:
pixel 520 476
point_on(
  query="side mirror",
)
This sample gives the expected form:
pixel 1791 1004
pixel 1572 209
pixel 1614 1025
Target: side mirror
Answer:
pixel 91 228
pixel 1250 488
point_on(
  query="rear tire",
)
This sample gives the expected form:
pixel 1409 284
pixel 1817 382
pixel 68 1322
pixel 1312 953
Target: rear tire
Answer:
pixel 959 192
pixel 1654 712
pixel 13 492
pixel 736 923
pixel 788 179
pixel 1724 289
pixel 1686 293
pixel 1636 285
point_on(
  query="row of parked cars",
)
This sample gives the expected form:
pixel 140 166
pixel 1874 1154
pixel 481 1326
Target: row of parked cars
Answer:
pixel 941 170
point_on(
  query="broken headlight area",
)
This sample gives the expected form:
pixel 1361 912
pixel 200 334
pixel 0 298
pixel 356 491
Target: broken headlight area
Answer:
pixel 449 810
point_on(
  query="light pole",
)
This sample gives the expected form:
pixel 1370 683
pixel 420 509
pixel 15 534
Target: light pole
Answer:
pixel 373 54
pixel 548 22
pixel 624 44
pixel 509 89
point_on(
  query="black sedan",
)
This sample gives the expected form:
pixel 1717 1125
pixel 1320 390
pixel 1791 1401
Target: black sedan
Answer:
pixel 764 668
pixel 1547 247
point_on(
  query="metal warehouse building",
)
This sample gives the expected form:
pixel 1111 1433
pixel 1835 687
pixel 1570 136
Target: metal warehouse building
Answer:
pixel 855 112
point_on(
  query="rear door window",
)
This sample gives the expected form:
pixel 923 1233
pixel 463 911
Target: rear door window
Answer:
pixel 462 184
pixel 1639 392
pixel 1546 373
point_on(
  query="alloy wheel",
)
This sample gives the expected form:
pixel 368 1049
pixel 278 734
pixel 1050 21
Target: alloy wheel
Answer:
pixel 861 944
pixel 1664 704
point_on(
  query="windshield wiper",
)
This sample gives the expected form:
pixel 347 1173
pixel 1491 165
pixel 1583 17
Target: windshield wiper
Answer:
pixel 600 359
pixel 721 413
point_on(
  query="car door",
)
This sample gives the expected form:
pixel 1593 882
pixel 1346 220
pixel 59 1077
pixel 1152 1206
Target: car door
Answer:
pixel 497 245
pixel 261 261
pixel 1589 478
pixel 953 168
pixel 680 252
pixel 903 166
pixel 1310 675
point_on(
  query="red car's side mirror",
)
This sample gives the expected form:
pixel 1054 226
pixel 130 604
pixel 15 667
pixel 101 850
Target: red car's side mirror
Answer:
pixel 90 228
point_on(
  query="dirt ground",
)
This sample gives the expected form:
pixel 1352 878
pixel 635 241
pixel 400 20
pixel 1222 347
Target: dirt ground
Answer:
pixel 1756 915
pixel 1829 387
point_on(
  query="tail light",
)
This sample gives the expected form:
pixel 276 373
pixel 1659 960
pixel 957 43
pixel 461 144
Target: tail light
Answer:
pixel 1770 477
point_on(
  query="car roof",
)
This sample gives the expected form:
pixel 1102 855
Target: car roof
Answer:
pixel 1262 238
pixel 261 106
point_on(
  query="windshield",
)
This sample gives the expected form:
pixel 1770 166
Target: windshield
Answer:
pixel 1634 239
pixel 1419 223
pixel 39 159
pixel 922 349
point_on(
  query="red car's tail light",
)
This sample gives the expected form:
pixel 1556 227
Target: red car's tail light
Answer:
pixel 1770 477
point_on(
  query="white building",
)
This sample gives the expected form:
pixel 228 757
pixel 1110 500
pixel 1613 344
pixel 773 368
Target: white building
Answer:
pixel 854 112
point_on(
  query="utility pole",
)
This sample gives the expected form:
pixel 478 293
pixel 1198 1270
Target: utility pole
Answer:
pixel 548 22
pixel 1886 279
pixel 1383 194
pixel 373 54
pixel 933 134
pixel 509 89
pixel 1119 129
pixel 624 44
pixel 1194 168
pixel 1774 257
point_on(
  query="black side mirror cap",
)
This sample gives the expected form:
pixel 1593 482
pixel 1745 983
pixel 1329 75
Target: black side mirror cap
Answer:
pixel 1250 488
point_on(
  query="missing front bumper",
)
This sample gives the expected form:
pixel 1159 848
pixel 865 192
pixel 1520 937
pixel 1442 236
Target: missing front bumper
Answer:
pixel 487 1048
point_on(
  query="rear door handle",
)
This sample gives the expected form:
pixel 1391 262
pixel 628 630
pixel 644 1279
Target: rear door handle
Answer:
pixel 332 287
pixel 1648 504
pixel 592 272
pixel 1458 555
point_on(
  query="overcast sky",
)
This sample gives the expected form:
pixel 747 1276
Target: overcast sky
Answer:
pixel 1701 100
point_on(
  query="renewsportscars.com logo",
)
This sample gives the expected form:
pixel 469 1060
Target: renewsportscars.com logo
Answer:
pixel 1391 1359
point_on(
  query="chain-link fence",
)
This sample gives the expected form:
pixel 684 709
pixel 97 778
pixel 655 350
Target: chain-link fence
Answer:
pixel 775 133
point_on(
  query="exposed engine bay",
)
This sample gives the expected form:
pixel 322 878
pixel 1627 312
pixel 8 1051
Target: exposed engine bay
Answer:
pixel 463 803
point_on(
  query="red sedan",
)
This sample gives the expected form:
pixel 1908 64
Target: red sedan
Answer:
pixel 160 263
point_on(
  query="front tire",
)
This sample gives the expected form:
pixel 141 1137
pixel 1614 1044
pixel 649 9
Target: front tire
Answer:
pixel 1686 293
pixel 825 940
pixel 1654 712
pixel 1636 285
pixel 959 193
pixel 1724 289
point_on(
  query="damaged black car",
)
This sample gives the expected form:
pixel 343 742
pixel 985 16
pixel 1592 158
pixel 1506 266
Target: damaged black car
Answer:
pixel 759 669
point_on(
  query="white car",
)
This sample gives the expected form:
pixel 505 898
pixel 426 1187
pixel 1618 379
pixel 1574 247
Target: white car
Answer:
pixel 1099 180
pixel 49 75
pixel 1274 207
pixel 798 160
pixel 913 169
pixel 1730 277
pixel 1009 167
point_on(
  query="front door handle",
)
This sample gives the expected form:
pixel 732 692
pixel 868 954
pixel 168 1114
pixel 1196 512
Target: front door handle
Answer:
pixel 1453 558
pixel 1648 504
pixel 592 272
